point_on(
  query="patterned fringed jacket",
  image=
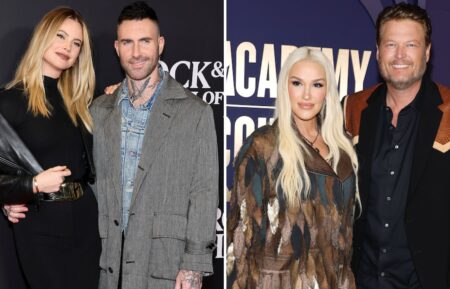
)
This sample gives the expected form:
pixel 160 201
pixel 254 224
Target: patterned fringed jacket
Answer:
pixel 270 246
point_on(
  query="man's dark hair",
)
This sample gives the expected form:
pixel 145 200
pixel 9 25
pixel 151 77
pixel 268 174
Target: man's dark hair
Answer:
pixel 405 11
pixel 137 11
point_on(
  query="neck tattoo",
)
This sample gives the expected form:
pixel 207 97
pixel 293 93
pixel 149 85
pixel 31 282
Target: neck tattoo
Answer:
pixel 136 92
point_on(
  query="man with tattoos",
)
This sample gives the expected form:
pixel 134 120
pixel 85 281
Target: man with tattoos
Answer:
pixel 156 156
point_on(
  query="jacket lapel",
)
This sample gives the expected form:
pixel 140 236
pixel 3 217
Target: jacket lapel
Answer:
pixel 161 118
pixel 112 131
pixel 368 127
pixel 430 118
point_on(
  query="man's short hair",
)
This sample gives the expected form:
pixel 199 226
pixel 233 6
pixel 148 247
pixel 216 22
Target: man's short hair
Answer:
pixel 403 11
pixel 137 11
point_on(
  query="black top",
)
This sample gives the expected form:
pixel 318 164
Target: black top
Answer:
pixel 386 261
pixel 53 141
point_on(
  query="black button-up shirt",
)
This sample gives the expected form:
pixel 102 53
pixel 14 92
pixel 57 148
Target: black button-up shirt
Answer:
pixel 386 261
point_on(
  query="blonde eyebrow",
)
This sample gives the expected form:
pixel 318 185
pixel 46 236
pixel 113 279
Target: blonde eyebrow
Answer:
pixel 60 30
pixel 67 34
pixel 298 78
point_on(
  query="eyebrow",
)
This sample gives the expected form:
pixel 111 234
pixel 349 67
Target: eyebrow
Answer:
pixel 298 78
pixel 67 34
pixel 410 40
pixel 129 39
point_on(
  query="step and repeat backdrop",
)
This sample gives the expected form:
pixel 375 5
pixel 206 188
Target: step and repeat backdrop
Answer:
pixel 262 33
pixel 193 54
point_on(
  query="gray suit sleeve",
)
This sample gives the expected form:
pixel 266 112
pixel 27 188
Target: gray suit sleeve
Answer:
pixel 203 199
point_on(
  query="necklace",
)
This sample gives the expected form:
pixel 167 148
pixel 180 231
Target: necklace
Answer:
pixel 137 92
pixel 311 143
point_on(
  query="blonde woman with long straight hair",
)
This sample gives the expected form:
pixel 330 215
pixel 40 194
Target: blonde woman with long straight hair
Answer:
pixel 294 193
pixel 46 156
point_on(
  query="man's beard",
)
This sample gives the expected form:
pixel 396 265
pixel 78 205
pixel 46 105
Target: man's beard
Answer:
pixel 404 83
pixel 137 76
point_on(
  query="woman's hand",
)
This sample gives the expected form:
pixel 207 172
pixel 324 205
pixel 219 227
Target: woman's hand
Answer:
pixel 15 212
pixel 49 181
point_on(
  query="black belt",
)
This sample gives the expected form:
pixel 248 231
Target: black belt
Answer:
pixel 70 191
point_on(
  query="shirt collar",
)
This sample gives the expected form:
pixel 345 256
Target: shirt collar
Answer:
pixel 416 103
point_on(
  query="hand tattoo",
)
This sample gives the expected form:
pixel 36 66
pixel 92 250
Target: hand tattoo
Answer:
pixel 192 278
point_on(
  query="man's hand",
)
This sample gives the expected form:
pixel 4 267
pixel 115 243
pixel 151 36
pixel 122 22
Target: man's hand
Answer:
pixel 15 212
pixel 111 88
pixel 188 280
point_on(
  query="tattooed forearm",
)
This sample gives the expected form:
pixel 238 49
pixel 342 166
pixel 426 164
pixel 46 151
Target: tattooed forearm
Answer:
pixel 191 278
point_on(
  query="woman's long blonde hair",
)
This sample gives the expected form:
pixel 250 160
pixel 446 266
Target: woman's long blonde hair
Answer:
pixel 293 178
pixel 75 84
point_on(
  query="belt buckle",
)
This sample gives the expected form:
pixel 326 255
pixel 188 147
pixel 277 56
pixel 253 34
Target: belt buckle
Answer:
pixel 67 192
pixel 70 191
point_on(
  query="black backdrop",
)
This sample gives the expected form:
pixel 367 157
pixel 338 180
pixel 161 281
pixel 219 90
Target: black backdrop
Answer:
pixel 193 54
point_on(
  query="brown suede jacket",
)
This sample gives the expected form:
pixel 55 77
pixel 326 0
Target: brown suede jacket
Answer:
pixel 273 246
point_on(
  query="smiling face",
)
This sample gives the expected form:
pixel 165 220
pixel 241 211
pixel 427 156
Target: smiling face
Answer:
pixel 402 53
pixel 139 46
pixel 64 49
pixel 307 88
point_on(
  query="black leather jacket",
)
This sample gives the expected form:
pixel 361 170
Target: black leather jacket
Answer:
pixel 18 166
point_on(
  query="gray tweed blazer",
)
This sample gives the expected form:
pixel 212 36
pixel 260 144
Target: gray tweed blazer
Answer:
pixel 173 208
